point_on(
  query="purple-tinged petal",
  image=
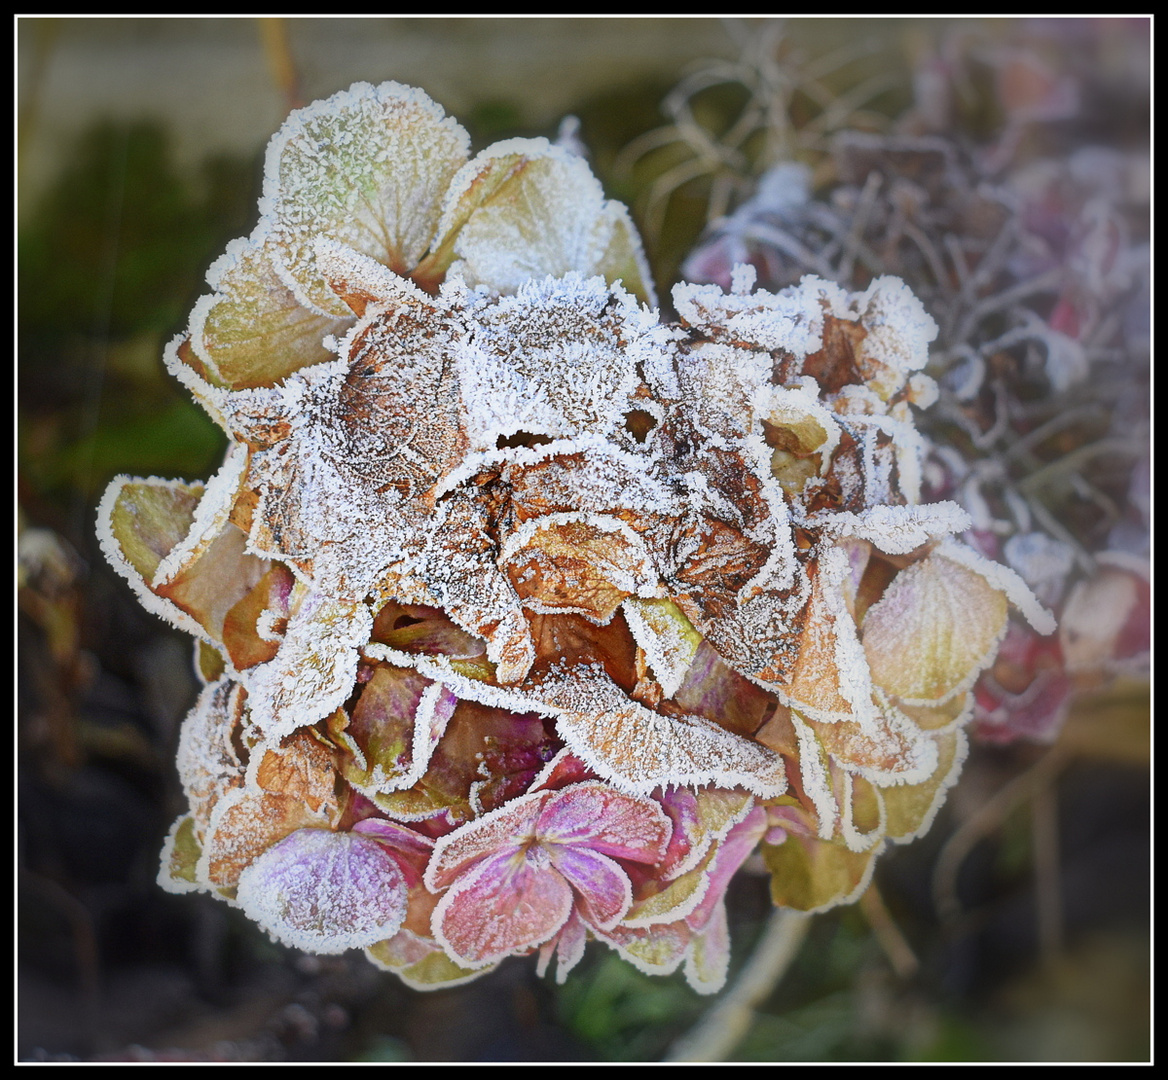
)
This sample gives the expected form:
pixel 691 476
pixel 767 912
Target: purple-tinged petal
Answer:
pixel 325 892
pixel 509 902
pixel 602 887
pixel 567 945
pixel 505 830
pixel 595 816
pixel 395 836
pixel 730 854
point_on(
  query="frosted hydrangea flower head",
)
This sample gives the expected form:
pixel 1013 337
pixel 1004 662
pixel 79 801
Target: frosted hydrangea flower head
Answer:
pixel 524 617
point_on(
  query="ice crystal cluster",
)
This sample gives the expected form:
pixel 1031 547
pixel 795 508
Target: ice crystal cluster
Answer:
pixel 525 617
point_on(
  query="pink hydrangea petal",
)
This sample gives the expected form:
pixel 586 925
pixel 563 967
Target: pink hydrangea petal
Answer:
pixel 505 829
pixel 595 816
pixel 510 902
pixel 603 889
pixel 411 849
pixel 687 836
pixel 325 892
pixel 732 852
pixel 568 946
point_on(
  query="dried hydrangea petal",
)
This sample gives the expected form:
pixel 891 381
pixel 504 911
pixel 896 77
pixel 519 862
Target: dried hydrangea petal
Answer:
pixel 934 630
pixel 420 962
pixel 638 749
pixel 253 330
pixel 811 874
pixel 538 212
pixel 369 167
pixel 314 670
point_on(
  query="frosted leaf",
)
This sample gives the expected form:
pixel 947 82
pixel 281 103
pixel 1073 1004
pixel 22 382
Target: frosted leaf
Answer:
pixel 675 900
pixel 210 517
pixel 368 167
pixel 537 212
pixel 397 409
pixel 459 565
pixel 593 816
pixel 656 950
pixel 637 749
pixel 325 892
pixel 252 331
pixel 211 585
pixel 567 946
pixel 253 627
pixel 934 630
pixel 861 824
pixel 510 827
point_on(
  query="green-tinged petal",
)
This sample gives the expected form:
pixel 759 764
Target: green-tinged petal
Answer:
pixel 531 210
pixel 909 809
pixel 810 874
pixel 395 725
pixel 668 638
pixel 368 167
pixel 624 258
pixel 937 625
pixel 180 856
pixel 420 962
pixel 252 331
pixel 144 520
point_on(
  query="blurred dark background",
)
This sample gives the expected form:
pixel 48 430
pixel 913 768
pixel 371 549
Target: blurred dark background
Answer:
pixel 140 146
